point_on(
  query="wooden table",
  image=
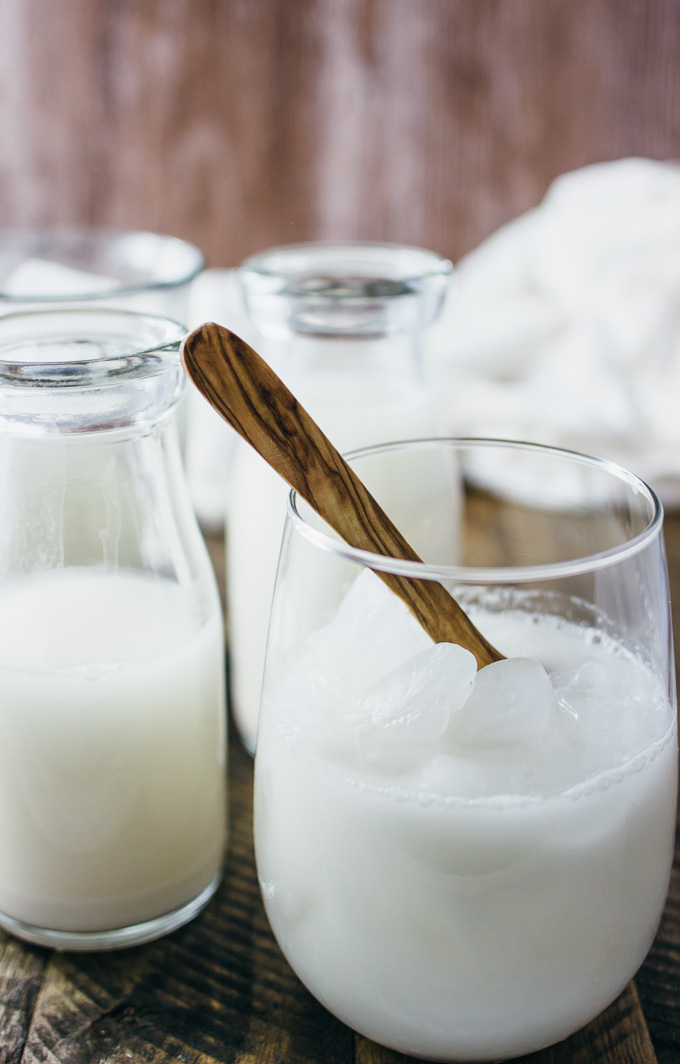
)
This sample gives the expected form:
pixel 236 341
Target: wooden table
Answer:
pixel 219 989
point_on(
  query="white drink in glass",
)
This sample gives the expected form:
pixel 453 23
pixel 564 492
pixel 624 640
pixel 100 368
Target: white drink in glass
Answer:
pixel 464 864
pixel 449 899
pixel 112 749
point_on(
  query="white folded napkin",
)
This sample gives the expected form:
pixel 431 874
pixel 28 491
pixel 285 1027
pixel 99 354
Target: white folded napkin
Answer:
pixel 563 327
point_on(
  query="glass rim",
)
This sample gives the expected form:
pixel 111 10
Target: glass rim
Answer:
pixel 262 262
pixel 142 359
pixel 463 574
pixel 123 288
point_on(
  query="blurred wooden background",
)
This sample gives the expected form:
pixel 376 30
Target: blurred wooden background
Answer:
pixel 239 124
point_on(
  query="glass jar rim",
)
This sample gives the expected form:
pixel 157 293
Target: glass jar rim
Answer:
pixel 343 290
pixel 155 352
pixel 517 574
pixel 285 259
pixel 50 240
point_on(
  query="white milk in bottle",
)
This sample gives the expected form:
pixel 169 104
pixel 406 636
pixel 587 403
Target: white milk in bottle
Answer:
pixel 112 799
pixel 112 701
pixel 342 325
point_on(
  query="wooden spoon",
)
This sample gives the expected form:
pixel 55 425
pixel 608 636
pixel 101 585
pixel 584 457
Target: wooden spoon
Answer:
pixel 254 401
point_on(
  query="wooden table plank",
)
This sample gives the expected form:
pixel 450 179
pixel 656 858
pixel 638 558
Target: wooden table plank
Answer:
pixel 658 980
pixel 21 974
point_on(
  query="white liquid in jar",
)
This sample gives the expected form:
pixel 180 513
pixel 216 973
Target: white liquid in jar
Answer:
pixel 447 890
pixel 112 750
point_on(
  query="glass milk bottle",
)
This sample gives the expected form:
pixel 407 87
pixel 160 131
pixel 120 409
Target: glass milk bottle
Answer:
pixel 112 736
pixel 342 324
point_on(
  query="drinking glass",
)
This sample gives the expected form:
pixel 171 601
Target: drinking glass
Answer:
pixel 469 865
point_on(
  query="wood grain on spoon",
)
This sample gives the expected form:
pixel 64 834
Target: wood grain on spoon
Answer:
pixel 240 385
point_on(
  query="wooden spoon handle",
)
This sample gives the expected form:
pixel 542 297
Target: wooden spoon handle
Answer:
pixel 240 385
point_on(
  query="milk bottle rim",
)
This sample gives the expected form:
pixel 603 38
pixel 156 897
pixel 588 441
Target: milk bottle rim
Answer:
pixel 77 370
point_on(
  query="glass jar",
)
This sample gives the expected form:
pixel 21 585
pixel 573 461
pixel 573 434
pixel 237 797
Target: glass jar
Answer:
pixel 462 864
pixel 58 266
pixel 343 325
pixel 112 729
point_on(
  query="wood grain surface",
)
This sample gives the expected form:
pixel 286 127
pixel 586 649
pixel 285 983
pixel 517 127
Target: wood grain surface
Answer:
pixel 240 124
pixel 218 991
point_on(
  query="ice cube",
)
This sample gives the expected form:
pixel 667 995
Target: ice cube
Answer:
pixel 325 680
pixel 579 690
pixel 409 709
pixel 372 633
pixel 512 701
pixel 612 707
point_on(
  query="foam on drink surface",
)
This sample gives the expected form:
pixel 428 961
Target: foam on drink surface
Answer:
pixel 464 865
pixel 112 749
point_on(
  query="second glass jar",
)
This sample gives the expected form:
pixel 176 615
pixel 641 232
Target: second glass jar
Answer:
pixel 342 324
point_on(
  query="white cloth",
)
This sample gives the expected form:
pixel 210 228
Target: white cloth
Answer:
pixel 563 327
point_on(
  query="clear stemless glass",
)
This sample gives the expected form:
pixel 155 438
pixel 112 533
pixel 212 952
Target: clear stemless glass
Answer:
pixel 470 865
pixel 112 716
